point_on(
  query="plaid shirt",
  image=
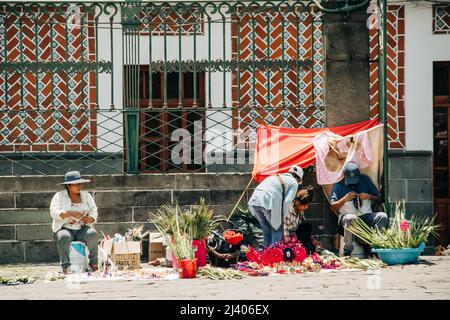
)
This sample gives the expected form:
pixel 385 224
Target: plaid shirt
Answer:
pixel 291 222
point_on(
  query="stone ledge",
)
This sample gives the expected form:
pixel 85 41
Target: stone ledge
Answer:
pixel 33 199
pixel 117 214
pixel 7 232
pixel 141 214
pixel 24 216
pixel 108 199
pixel 11 252
pixel 41 251
pixel 49 183
pixel 6 200
pixel 34 232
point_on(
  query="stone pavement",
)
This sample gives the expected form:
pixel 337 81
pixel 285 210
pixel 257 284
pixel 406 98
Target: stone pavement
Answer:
pixel 428 279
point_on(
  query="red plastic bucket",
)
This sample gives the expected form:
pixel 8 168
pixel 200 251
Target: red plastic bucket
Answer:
pixel 199 251
pixel 187 269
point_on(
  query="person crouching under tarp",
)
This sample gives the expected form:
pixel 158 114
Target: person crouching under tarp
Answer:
pixel 271 201
pixel 295 226
pixel 352 197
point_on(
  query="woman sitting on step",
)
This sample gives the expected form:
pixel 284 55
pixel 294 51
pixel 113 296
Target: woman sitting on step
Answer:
pixel 74 212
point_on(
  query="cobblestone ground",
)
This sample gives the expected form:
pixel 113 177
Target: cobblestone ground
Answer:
pixel 427 279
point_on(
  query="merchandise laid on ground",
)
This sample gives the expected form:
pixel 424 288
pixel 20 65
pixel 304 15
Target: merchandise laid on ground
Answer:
pixel 197 255
pixel 315 263
pixel 225 254
pixel 240 270
pixel 119 275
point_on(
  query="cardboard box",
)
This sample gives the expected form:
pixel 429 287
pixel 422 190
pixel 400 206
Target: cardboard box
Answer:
pixel 122 247
pixel 127 247
pixel 124 253
pixel 156 246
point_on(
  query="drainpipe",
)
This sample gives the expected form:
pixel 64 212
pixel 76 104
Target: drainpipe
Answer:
pixel 382 102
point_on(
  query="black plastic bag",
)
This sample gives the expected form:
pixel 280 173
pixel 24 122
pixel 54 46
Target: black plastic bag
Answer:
pixel 249 226
pixel 220 252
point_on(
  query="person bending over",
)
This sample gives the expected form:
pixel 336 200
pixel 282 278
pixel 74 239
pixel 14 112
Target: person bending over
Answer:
pixel 271 200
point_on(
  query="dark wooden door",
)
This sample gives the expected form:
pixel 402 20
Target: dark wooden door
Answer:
pixel 157 127
pixel 441 168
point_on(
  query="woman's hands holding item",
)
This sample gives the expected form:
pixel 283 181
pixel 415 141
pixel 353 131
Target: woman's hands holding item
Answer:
pixel 86 220
pixel 71 214
pixel 77 217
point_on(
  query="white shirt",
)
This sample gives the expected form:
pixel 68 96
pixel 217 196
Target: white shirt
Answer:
pixel 61 202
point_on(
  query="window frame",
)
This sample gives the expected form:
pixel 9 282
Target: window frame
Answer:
pixel 163 138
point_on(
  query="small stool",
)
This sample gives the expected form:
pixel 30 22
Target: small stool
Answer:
pixel 79 256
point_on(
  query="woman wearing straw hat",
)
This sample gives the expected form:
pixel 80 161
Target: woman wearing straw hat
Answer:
pixel 74 212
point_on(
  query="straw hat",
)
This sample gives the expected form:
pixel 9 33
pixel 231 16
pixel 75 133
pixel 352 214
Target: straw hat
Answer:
pixel 73 177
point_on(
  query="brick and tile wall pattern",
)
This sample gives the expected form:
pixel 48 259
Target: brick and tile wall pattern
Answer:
pixel 303 90
pixel 42 121
pixel 65 121
pixel 395 72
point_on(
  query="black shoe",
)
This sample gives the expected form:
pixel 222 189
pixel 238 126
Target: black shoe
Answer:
pixel 334 251
pixel 367 252
pixel 347 253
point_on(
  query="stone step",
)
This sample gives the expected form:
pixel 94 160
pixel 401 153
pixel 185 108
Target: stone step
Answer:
pixel 171 181
pixel 127 213
pixel 123 201
pixel 141 214
pixel 12 251
pixel 18 222
pixel 7 232
pixel 43 231
pixel 129 198
pixel 40 251
pixel 34 232
pixel 7 200
pixel 24 216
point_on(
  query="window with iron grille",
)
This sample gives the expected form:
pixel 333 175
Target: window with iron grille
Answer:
pixel 157 125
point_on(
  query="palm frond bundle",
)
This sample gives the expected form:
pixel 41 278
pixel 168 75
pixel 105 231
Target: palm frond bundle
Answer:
pixel 401 233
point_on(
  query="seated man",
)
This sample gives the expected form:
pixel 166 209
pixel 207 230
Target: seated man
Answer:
pixel 352 197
